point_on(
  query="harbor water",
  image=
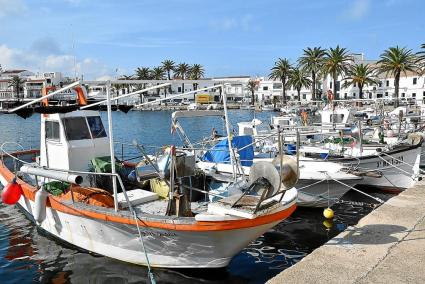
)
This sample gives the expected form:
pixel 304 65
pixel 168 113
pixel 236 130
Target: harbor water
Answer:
pixel 28 255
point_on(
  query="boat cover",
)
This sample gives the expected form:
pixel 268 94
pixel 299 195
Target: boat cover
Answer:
pixel 220 152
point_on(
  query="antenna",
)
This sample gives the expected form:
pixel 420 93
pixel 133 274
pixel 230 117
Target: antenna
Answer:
pixel 73 53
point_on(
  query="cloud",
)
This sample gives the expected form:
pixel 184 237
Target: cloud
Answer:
pixel 45 46
pixel 244 23
pixel 11 7
pixel 11 58
pixel 358 9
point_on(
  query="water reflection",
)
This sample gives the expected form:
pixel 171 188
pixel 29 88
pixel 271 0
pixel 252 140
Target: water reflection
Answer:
pixel 27 254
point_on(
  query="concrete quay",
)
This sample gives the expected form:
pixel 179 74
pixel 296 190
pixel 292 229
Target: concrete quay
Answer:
pixel 386 246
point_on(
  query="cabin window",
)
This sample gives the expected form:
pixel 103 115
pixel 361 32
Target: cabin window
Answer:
pixel 96 127
pixel 337 118
pixel 76 128
pixel 52 130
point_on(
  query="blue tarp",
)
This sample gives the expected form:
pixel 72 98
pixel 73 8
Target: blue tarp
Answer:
pixel 220 152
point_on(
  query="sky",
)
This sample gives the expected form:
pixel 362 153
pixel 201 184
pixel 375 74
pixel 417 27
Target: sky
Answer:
pixel 105 38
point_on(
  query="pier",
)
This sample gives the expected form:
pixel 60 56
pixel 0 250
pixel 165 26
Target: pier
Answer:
pixel 386 246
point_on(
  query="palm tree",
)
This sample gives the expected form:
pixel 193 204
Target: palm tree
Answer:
pixel 360 75
pixel 196 73
pixel 252 87
pixel 143 73
pixel 298 78
pixel 337 61
pixel 312 61
pixel 158 73
pixel 394 61
pixel 168 65
pixel 280 71
pixel 17 84
pixel 181 71
pixel 421 58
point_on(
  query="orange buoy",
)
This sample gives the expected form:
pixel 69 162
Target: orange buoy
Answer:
pixel 11 193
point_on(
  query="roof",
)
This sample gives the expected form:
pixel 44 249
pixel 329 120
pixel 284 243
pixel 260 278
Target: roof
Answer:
pixel 14 71
pixel 232 77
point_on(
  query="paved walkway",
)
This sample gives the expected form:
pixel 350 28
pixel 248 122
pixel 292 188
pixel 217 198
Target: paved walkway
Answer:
pixel 386 246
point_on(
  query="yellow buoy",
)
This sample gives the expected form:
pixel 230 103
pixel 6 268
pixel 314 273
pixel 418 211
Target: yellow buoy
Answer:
pixel 328 213
pixel 328 223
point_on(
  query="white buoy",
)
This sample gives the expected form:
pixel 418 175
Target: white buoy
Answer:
pixel 40 205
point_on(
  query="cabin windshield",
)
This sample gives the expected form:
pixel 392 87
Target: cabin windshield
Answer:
pixel 96 127
pixel 337 118
pixel 76 128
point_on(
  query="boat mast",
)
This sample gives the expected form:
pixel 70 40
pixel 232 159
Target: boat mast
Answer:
pixel 229 138
pixel 111 143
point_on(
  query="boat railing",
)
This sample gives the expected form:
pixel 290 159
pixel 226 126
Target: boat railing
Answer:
pixel 17 160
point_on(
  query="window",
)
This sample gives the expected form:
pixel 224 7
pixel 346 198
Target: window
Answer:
pixel 386 94
pixel 265 88
pixel 379 96
pixel 96 127
pixel 330 85
pixel 388 83
pixel 413 95
pixel 52 130
pixel 403 95
pixel 380 84
pixel 179 89
pixel 415 80
pixel 355 84
pixel 304 96
pixel 76 128
pixel 277 86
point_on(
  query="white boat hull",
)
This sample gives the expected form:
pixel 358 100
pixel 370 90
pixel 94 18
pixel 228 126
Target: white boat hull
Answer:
pixel 316 193
pixel 396 174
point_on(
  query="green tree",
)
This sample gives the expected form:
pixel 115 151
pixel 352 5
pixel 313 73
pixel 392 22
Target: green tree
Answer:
pixel 395 61
pixel 169 66
pixel 196 73
pixel 298 78
pixel 143 73
pixel 337 62
pixel 421 58
pixel 312 62
pixel 280 71
pixel 158 73
pixel 17 84
pixel 252 87
pixel 181 71
pixel 360 75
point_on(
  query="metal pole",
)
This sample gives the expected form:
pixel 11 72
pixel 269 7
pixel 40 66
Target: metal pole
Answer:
pixel 45 97
pixel 360 137
pixel 111 144
pixel 229 139
pixel 125 95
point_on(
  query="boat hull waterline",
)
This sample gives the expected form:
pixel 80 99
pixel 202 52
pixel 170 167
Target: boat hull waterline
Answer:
pixel 169 242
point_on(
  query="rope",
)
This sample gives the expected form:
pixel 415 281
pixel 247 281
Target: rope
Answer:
pixel 151 277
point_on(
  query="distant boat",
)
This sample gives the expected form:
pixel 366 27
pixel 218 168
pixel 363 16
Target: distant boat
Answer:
pixel 192 106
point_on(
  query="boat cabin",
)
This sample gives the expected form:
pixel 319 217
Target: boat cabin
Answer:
pixel 70 140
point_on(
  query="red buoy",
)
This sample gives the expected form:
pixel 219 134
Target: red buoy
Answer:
pixel 11 193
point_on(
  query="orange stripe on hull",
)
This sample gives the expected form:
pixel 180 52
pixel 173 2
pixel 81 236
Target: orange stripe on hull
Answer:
pixel 168 224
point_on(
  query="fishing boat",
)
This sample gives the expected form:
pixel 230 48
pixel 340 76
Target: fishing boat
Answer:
pixel 320 183
pixel 63 188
